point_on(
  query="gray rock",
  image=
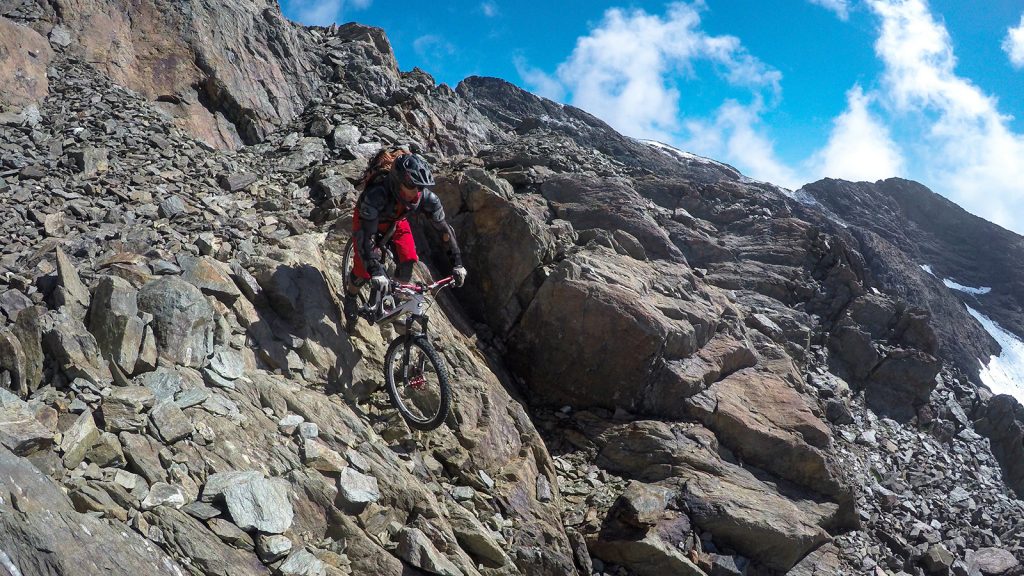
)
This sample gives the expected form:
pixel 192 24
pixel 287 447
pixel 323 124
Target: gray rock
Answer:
pixel 75 543
pixel 272 547
pixel 163 494
pixel 170 422
pixel 544 492
pixel 355 488
pixel 106 452
pixel 415 548
pixel 183 320
pixel 164 383
pixel 172 207
pixel 215 380
pixel 227 363
pixel 289 424
pixel 217 483
pixel 123 409
pixel 149 354
pixel 309 430
pixel 191 398
pixel 28 330
pixel 318 456
pixel 60 36
pixel 993 561
pixel 71 292
pixel 345 135
pixel 938 559
pixel 201 510
pixel 211 276
pixel 260 504
pixel 114 321
pixel 142 453
pixel 79 439
pixel 236 182
pixel 69 343
pixel 126 479
pixel 642 505
pixel 221 406
pixel 13 359
pixel 90 161
pixel 302 563
pixel 20 432
pixel 231 534
pixel 13 301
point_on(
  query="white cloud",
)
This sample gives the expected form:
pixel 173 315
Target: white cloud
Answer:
pixel 433 47
pixel 840 7
pixel 1013 44
pixel 629 83
pixel 539 81
pixel 737 137
pixel 859 146
pixel 324 12
pixel 490 9
pixel 973 156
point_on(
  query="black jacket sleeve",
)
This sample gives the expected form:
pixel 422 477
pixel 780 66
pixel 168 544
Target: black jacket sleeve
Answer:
pixel 370 206
pixel 434 210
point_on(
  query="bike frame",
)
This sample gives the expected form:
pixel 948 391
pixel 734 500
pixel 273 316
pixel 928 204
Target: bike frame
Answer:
pixel 415 306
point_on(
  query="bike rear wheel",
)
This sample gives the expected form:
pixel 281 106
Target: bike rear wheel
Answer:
pixel 417 382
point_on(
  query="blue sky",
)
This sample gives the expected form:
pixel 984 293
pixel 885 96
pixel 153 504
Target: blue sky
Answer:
pixel 787 91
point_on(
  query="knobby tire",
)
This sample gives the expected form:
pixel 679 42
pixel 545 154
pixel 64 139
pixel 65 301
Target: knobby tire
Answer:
pixel 396 362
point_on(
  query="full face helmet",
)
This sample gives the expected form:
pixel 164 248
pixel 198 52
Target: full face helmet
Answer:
pixel 412 171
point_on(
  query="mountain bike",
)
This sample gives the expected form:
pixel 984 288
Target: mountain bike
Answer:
pixel 416 379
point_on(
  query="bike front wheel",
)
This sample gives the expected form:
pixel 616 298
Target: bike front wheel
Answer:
pixel 417 382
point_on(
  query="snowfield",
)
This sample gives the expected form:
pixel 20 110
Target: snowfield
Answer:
pixel 1004 374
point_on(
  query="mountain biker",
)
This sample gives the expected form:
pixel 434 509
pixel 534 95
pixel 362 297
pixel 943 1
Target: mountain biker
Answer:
pixel 388 204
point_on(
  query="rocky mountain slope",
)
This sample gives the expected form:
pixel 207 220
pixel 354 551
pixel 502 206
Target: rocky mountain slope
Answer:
pixel 660 366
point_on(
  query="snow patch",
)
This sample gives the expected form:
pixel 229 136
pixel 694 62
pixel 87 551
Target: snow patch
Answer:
pixel 690 157
pixel 673 151
pixel 1004 374
pixel 967 289
pixel 927 268
pixel 804 197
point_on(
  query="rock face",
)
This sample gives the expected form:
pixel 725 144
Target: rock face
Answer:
pixel 24 56
pixel 41 532
pixel 659 366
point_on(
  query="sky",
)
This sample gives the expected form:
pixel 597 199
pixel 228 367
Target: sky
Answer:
pixel 789 91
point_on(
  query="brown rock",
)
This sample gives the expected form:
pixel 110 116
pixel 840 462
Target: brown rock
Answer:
pixel 771 425
pixel 24 57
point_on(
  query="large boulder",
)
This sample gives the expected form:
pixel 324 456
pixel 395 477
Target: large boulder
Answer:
pixel 504 240
pixel 114 321
pixel 1003 424
pixel 738 509
pixel 67 341
pixel 563 345
pixel 769 424
pixel 183 321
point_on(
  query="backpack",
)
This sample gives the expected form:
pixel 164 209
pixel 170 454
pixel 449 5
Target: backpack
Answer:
pixel 379 166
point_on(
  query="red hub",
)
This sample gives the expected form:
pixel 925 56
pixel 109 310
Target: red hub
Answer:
pixel 417 382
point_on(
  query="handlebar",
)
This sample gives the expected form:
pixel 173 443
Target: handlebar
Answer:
pixel 419 287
